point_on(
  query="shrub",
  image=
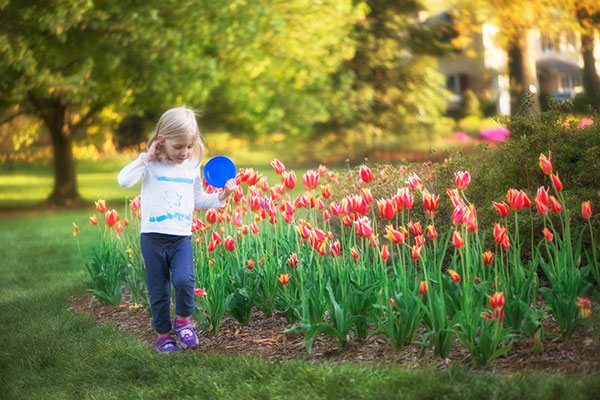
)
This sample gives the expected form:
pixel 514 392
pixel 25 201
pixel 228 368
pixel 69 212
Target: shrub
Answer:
pixel 575 156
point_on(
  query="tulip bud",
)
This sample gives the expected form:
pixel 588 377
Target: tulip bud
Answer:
pixel 545 163
pixel 586 209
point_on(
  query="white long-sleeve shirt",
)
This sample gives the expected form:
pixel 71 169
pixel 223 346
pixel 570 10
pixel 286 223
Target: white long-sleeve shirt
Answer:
pixel 170 193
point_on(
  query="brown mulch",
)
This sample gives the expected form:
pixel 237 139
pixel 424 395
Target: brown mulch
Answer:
pixel 578 356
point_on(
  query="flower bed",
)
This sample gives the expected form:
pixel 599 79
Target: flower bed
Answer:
pixel 362 268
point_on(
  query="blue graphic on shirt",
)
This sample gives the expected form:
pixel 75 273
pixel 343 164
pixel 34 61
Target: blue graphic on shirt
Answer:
pixel 174 179
pixel 168 215
pixel 173 199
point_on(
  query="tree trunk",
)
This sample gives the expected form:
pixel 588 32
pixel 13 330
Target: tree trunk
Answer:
pixel 53 112
pixel 522 73
pixel 65 180
pixel 591 83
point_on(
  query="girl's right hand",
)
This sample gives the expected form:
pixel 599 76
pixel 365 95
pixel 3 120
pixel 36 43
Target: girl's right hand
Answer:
pixel 152 153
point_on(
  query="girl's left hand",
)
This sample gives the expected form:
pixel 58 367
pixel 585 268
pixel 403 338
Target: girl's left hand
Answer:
pixel 228 189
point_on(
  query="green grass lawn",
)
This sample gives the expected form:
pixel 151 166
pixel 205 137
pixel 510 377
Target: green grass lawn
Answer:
pixel 47 352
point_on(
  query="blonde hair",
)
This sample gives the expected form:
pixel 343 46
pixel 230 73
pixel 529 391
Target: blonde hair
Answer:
pixel 177 122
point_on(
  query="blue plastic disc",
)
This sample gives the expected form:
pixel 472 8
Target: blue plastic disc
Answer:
pixel 218 171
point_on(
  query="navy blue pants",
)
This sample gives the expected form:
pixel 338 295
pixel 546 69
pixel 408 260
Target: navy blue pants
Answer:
pixel 168 259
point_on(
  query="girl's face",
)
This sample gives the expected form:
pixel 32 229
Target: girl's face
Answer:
pixel 179 149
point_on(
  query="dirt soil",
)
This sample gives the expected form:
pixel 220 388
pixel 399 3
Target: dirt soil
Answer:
pixel 264 338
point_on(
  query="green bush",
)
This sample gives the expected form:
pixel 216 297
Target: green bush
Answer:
pixel 470 104
pixel 514 164
pixel 582 103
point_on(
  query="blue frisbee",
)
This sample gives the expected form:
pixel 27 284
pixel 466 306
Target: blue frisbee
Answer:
pixel 218 170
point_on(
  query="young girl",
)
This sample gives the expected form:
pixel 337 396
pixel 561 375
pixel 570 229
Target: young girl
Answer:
pixel 171 189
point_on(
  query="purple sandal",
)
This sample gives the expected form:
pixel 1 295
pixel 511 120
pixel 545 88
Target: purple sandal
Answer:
pixel 166 345
pixel 186 334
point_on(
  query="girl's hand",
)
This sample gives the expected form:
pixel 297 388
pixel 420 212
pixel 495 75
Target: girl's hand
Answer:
pixel 228 189
pixel 153 151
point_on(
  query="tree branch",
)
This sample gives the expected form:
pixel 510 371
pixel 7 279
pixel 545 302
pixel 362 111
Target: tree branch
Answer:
pixel 11 117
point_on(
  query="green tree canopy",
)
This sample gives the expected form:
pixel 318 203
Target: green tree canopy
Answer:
pixel 255 65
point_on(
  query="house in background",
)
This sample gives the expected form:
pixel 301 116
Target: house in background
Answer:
pixel 482 67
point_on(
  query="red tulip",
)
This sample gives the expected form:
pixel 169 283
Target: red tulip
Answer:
pixel 305 233
pixel 293 260
pixel 555 205
pixel 394 235
pixel 470 219
pixel 457 240
pixel 423 287
pixel 586 209
pixel 415 228
pixel 557 183
pixel 288 218
pixel 334 249
pixel 415 252
pixel 502 208
pixel 497 304
pixel 319 235
pixel 200 292
pixel 254 228
pixel 288 179
pixel 111 217
pixel 101 206
pixel 458 215
pixel 326 191
pixel 302 201
pixel 392 302
pixel 586 306
pixel 278 166
pixel 455 198
pixel 363 208
pixel 419 240
pixel 363 227
pixel 404 199
pixel 310 179
pixel 387 208
pixel 431 232
pixel 366 174
pixel 488 257
pixel 414 182
pixel 505 242
pixel 515 199
pixel 430 202
pixel 250 264
pixel 547 234
pixel 229 243
pixel 454 275
pixel 354 253
pixel 385 254
pixel 462 180
pixel 284 278
pixel 541 207
pixel 212 245
pixel 93 220
pixel 545 163
pixel 135 203
pixel 526 201
pixel 367 195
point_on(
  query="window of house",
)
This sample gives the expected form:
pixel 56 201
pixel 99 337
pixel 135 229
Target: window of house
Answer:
pixel 571 40
pixel 549 43
pixel 453 83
